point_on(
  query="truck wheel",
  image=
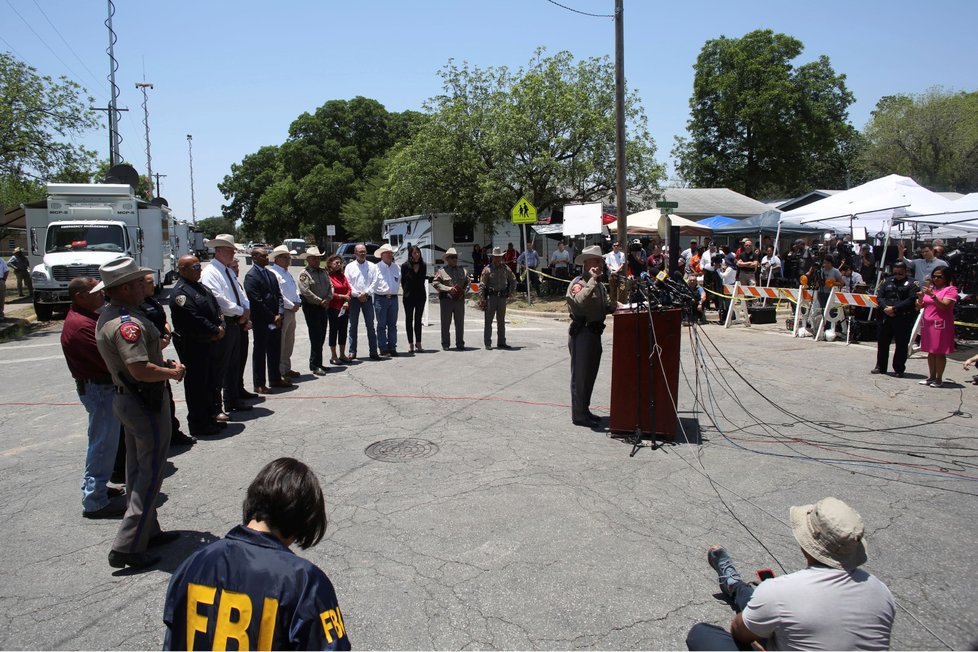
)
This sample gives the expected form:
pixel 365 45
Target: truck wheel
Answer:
pixel 44 311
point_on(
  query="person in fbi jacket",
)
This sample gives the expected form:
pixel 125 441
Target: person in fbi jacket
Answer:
pixel 249 587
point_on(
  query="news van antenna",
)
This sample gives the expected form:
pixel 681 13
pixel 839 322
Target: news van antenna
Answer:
pixel 149 159
pixel 115 138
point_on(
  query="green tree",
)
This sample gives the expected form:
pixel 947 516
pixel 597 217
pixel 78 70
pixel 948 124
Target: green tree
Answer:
pixel 763 127
pixel 212 226
pixel 546 132
pixel 932 137
pixel 39 117
pixel 300 187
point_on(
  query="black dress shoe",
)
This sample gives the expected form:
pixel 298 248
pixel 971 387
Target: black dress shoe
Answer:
pixel 182 439
pixel 245 394
pixel 240 407
pixel 133 559
pixel 222 418
pixel 113 509
pixel 163 538
pixel 593 418
pixel 488 347
pixel 876 370
pixel 506 347
pixel 374 356
pixel 319 371
pixel 292 374
pixel 582 422
pixel 392 353
pixel 444 348
pixel 206 431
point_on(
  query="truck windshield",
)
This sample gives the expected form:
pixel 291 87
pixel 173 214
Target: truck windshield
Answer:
pixel 85 237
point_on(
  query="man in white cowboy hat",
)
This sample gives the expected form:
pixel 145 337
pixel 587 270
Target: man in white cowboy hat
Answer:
pixel 130 345
pixel 450 282
pixel 223 283
pixel 292 302
pixel 830 605
pixel 362 276
pixel 496 285
pixel 316 291
pixel 385 300
pixel 588 303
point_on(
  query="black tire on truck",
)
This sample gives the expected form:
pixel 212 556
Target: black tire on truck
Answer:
pixel 44 311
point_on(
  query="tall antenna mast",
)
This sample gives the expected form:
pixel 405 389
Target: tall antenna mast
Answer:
pixel 115 138
pixel 149 159
pixel 193 203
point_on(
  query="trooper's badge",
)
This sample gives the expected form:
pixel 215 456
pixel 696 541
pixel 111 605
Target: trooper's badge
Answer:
pixel 130 331
pixel 180 300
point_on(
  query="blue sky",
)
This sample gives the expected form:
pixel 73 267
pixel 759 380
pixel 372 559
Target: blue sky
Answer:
pixel 235 74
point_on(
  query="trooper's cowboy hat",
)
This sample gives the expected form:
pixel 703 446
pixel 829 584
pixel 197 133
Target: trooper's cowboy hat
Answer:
pixel 831 532
pixel 313 251
pixel 383 249
pixel 221 240
pixel 119 271
pixel 594 251
pixel 497 252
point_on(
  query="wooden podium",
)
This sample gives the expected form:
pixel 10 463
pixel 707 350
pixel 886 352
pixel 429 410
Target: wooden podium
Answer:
pixel 643 388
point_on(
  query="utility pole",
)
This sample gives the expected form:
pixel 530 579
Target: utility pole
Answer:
pixel 193 202
pixel 159 193
pixel 149 159
pixel 620 194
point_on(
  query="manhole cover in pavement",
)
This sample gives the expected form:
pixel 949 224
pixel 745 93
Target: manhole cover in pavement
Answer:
pixel 401 450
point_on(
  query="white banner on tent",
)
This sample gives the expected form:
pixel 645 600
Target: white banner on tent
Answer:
pixel 582 219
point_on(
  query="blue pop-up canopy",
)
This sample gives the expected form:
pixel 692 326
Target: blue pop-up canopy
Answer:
pixel 717 221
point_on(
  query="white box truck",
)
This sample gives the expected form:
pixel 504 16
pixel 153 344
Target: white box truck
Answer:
pixel 82 226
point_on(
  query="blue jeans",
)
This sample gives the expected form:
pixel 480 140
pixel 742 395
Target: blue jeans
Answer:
pixel 356 308
pixel 704 636
pixel 386 309
pixel 103 441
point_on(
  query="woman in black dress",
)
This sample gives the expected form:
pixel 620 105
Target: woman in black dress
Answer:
pixel 413 276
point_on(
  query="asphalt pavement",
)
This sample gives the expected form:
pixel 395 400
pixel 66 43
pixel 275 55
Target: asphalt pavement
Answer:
pixel 466 511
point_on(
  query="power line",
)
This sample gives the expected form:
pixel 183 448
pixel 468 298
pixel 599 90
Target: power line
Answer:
pixel 68 45
pixel 45 43
pixel 583 13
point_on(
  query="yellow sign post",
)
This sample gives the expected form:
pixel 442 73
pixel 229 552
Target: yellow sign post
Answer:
pixel 524 212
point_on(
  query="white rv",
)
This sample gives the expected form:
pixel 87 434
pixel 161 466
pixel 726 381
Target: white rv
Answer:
pixel 82 226
pixel 434 233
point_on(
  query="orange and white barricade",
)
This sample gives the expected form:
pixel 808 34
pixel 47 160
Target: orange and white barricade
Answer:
pixel 803 299
pixel 740 295
pixel 834 311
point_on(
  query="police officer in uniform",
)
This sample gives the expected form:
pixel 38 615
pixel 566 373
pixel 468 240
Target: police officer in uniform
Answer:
pixel 450 282
pixel 496 285
pixel 130 345
pixel 198 325
pixel 895 317
pixel 290 602
pixel 316 291
pixel 588 303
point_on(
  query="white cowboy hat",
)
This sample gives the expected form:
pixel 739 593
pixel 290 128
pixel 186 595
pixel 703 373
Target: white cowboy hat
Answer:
pixel 594 251
pixel 497 252
pixel 221 240
pixel 451 252
pixel 383 249
pixel 831 532
pixel 119 271
pixel 280 250
pixel 313 251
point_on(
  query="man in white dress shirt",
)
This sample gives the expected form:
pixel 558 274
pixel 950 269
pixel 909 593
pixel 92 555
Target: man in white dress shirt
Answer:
pixel 221 280
pixel 362 276
pixel 385 300
pixel 282 258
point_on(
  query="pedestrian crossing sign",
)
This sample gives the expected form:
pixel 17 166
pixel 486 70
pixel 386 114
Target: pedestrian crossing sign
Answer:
pixel 524 212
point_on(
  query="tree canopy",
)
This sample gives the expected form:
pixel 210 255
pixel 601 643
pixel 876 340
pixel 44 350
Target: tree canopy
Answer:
pixel 762 126
pixel 299 187
pixel 932 137
pixel 546 132
pixel 38 118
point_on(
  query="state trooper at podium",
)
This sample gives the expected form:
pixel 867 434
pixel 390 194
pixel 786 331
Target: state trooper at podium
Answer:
pixel 589 304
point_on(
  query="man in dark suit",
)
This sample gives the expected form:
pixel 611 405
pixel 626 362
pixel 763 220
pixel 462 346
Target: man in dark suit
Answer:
pixel 261 286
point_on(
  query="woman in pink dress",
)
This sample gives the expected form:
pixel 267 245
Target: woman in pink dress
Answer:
pixel 937 300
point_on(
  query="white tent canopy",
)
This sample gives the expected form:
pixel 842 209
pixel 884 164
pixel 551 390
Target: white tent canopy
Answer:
pixel 959 220
pixel 648 222
pixel 874 205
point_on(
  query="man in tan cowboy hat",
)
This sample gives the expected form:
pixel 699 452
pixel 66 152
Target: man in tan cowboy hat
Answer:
pixel 316 291
pixel 282 259
pixel 830 605
pixel 130 345
pixel 450 281
pixel 588 303
pixel 496 285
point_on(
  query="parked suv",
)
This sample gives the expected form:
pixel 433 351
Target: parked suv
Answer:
pixel 345 251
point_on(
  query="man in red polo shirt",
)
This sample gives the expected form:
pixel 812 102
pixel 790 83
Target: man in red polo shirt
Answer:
pixel 96 391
